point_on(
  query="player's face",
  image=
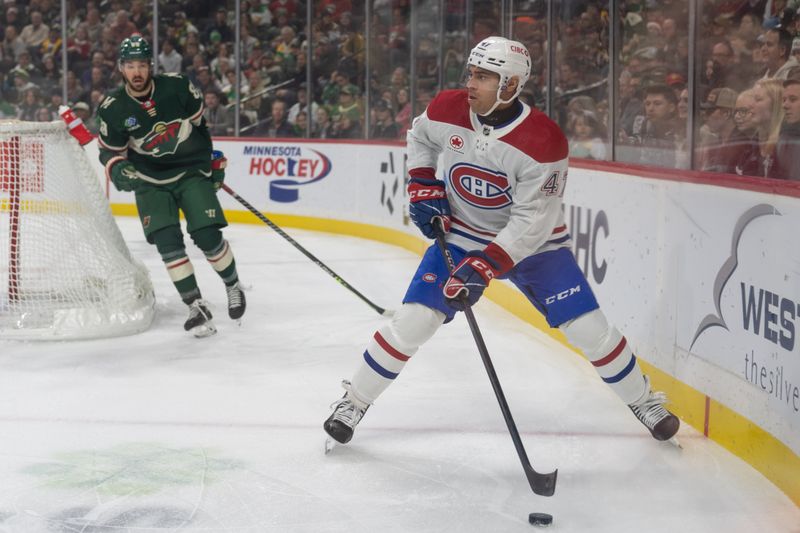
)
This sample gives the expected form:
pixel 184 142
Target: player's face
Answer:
pixel 481 89
pixel 136 74
pixel 791 103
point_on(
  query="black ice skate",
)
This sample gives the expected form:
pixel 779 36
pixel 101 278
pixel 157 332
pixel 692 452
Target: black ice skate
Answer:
pixel 347 413
pixel 651 412
pixel 236 301
pixel 199 322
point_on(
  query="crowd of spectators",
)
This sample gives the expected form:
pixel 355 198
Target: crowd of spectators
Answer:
pixel 744 109
pixel 745 115
pixel 196 38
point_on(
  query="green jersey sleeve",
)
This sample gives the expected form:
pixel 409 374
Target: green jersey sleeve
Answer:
pixel 192 100
pixel 111 141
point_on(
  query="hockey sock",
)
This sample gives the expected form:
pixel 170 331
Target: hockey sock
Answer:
pixel 218 252
pixel 609 353
pixel 169 242
pixel 391 347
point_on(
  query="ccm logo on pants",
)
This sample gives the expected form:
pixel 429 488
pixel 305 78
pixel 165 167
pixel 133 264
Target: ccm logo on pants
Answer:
pixel 562 295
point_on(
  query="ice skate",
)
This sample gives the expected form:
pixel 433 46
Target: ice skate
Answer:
pixel 651 412
pixel 347 413
pixel 199 322
pixel 236 301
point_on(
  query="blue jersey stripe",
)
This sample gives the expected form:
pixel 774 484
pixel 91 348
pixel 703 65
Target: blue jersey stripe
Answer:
pixel 625 371
pixel 560 239
pixel 468 236
pixel 374 365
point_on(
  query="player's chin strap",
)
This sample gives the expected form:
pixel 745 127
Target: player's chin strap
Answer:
pixel 498 100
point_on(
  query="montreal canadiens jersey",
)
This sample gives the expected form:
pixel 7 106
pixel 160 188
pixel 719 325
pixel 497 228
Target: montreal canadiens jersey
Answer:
pixel 504 184
pixel 165 137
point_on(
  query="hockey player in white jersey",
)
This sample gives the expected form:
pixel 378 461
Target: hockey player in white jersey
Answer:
pixel 499 194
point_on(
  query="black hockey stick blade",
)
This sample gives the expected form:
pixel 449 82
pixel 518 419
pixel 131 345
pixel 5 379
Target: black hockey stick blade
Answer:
pixel 380 310
pixel 543 484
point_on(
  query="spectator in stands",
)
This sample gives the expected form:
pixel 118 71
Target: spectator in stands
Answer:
pixel 26 110
pixel 55 101
pixel 205 81
pixel 787 151
pixel 36 32
pixel 94 24
pixel 11 18
pixel 221 26
pixel 122 27
pixel 300 124
pixel 587 136
pixel 758 159
pixel 349 105
pixel 345 128
pixel 169 59
pixel 403 115
pixel 12 48
pixel 383 124
pixel 278 126
pixel 657 131
pixel 301 104
pixel 51 75
pixel 52 44
pixel 79 47
pixel 630 104
pixel 98 61
pixel 74 89
pixel 248 43
pixel 717 128
pixel 24 64
pixel 322 128
pixel 138 15
pixel 219 119
pixel 776 46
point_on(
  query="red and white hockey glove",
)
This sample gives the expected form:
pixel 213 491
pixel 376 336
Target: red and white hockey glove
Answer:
pixel 473 274
pixel 428 201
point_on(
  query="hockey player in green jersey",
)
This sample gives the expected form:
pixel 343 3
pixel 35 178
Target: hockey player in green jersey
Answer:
pixel 154 141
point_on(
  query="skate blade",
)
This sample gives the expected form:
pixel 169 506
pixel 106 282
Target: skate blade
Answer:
pixel 675 442
pixel 204 330
pixel 330 444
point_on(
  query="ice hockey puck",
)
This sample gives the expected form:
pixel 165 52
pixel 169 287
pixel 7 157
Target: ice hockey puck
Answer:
pixel 540 519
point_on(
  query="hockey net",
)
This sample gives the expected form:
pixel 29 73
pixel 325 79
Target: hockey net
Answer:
pixel 65 270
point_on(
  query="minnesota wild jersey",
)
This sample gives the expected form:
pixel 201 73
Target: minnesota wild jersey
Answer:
pixel 165 135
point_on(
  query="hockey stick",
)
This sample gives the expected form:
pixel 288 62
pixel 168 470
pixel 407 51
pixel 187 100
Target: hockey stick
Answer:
pixel 380 310
pixel 541 484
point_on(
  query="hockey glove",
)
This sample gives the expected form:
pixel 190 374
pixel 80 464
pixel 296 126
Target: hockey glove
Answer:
pixel 470 279
pixel 123 175
pixel 218 164
pixel 428 201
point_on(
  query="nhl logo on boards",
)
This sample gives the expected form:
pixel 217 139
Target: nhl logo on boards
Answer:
pixel 456 143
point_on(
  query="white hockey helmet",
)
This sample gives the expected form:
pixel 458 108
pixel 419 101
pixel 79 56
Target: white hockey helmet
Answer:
pixel 506 58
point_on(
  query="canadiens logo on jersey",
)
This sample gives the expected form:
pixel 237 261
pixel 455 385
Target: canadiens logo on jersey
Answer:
pixel 163 139
pixel 480 187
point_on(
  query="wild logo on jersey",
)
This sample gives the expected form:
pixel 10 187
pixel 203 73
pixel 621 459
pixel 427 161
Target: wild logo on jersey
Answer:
pixel 480 186
pixel 163 139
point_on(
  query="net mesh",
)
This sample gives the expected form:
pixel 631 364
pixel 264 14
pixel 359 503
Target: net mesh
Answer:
pixel 65 271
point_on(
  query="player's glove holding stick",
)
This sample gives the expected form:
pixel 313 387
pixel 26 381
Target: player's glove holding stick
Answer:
pixel 218 164
pixel 473 274
pixel 428 200
pixel 123 175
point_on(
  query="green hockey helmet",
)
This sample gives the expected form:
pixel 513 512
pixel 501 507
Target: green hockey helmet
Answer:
pixel 135 47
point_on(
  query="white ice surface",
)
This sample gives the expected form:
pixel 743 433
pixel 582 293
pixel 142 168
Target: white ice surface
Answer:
pixel 164 432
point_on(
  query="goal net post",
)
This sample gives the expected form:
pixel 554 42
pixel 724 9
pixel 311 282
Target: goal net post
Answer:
pixel 65 270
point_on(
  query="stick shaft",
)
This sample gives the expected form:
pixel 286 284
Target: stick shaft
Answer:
pixel 541 484
pixel 380 310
